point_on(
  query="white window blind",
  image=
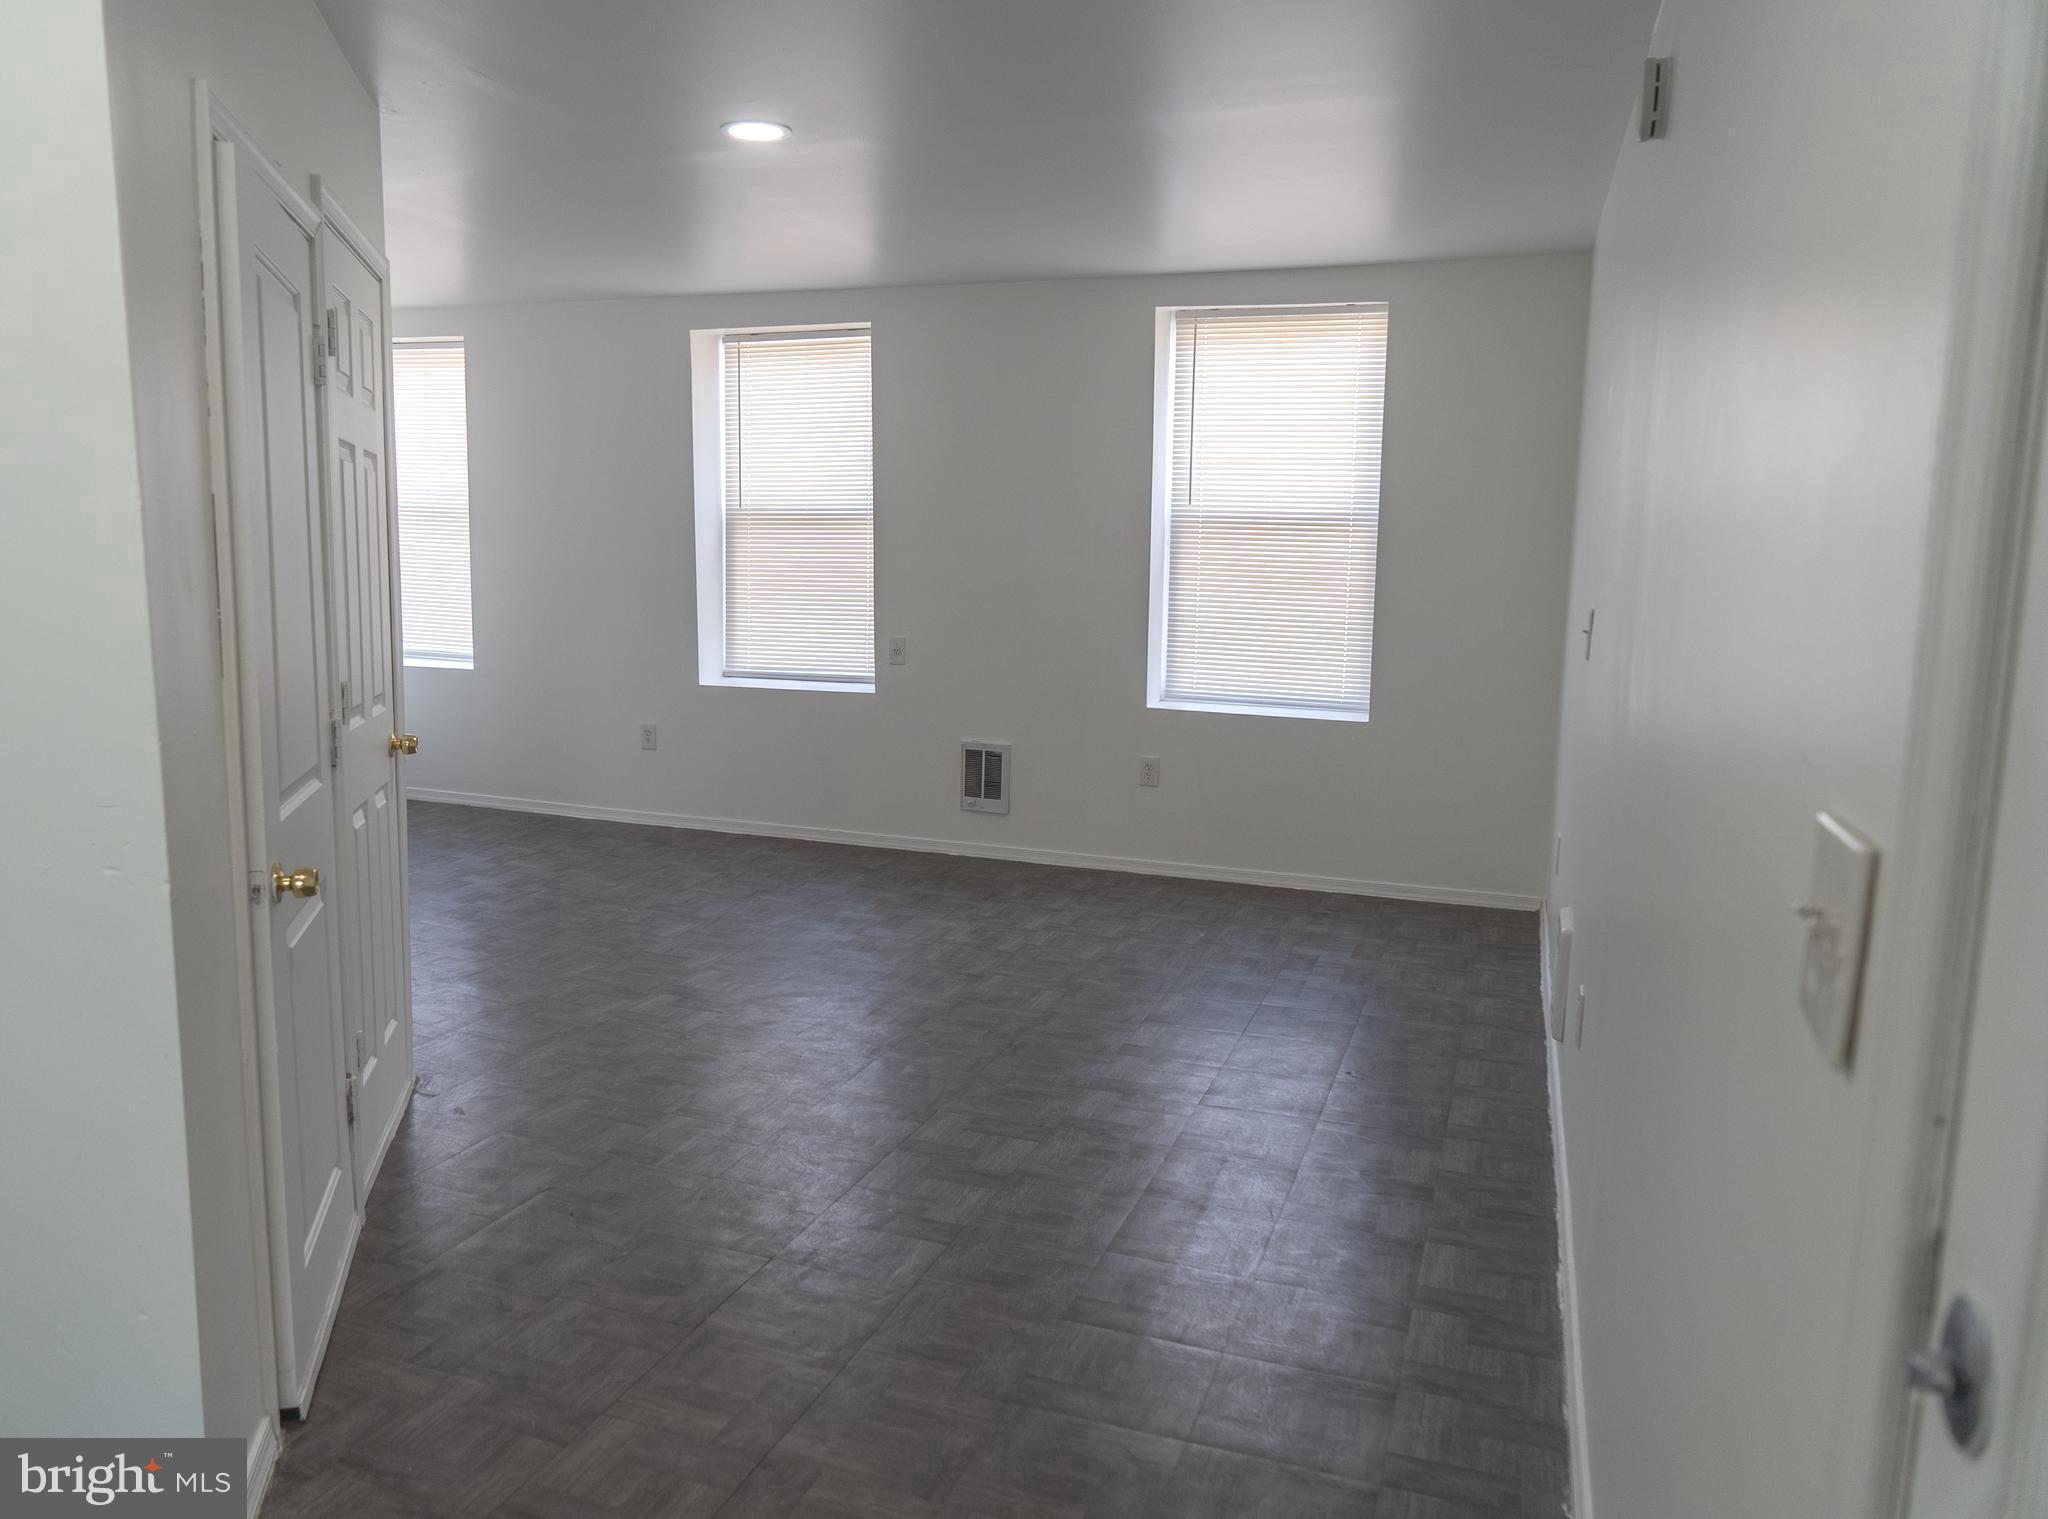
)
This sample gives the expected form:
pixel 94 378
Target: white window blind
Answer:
pixel 799 504
pixel 1271 509
pixel 430 415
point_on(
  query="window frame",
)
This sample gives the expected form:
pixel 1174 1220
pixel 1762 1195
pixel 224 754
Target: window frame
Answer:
pixel 407 658
pixel 1165 320
pixel 707 434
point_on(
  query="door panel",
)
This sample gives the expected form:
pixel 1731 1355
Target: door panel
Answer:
pixel 304 1003
pixel 269 318
pixel 374 973
pixel 276 318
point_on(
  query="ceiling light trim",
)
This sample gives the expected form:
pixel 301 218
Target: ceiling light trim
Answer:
pixel 754 130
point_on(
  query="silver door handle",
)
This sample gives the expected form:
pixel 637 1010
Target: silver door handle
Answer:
pixel 1959 1373
pixel 1931 1371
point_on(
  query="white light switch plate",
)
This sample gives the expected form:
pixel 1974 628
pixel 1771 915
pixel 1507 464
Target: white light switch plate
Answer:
pixel 1836 915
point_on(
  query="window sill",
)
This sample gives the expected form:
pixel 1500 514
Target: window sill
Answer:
pixel 764 683
pixel 437 662
pixel 1253 709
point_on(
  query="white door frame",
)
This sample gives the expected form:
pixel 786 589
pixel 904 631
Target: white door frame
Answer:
pixel 1996 1226
pixel 1983 503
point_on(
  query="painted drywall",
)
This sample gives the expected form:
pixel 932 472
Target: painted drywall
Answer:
pixel 275 66
pixel 556 151
pixel 98 1333
pixel 1013 450
pixel 1772 307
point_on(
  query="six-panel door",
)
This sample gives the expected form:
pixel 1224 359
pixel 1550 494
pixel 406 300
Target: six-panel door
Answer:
pixel 284 655
pixel 374 982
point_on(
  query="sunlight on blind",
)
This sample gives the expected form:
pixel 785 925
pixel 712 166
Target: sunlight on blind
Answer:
pixel 799 506
pixel 431 419
pixel 1273 507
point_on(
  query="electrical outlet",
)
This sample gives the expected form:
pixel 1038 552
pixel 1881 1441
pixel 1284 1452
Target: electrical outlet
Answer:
pixel 1148 770
pixel 899 651
pixel 649 738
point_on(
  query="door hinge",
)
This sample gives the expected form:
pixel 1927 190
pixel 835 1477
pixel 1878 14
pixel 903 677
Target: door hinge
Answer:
pixel 334 743
pixel 349 1093
pixel 1587 631
pixel 324 347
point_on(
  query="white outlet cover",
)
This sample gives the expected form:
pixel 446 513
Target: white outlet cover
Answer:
pixel 1836 915
pixel 899 651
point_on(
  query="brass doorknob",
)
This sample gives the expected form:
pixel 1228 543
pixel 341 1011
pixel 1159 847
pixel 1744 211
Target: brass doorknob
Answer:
pixel 294 883
pixel 405 743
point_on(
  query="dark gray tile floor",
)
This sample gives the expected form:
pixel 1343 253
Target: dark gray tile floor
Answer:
pixel 755 1177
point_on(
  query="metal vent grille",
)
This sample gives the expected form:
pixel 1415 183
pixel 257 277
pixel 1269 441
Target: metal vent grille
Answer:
pixel 984 777
pixel 1656 120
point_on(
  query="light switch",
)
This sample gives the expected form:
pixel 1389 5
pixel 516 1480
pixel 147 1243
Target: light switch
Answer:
pixel 1836 915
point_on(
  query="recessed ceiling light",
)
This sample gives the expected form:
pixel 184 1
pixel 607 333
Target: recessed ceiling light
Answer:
pixel 755 131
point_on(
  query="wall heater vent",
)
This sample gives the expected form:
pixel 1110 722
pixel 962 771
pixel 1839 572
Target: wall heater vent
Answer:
pixel 984 777
pixel 1656 121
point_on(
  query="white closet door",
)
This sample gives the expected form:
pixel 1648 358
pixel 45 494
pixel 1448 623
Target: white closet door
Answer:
pixel 269 319
pixel 375 983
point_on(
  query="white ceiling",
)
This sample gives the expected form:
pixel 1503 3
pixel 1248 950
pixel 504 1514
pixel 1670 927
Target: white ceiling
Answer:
pixel 552 148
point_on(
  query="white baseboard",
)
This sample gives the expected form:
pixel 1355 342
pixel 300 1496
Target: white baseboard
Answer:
pixel 1398 890
pixel 1568 1301
pixel 262 1461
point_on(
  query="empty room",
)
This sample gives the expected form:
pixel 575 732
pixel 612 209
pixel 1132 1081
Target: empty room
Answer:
pixel 1025 759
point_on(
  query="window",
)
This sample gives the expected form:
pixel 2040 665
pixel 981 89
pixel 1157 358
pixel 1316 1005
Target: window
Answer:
pixel 1266 509
pixel 785 508
pixel 430 416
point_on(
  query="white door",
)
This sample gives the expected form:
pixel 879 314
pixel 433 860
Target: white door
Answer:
pixel 270 311
pixel 1993 1257
pixel 375 983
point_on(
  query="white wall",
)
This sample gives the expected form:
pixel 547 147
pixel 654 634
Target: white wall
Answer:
pixel 97 1326
pixel 1771 314
pixel 1013 437
pixel 274 64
